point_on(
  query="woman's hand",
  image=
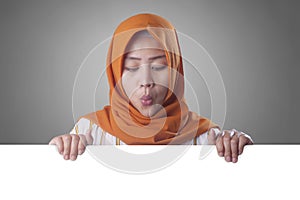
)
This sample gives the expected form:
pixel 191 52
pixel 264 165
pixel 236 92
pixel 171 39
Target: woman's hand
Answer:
pixel 71 145
pixel 229 143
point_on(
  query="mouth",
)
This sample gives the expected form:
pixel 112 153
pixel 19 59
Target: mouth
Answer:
pixel 146 100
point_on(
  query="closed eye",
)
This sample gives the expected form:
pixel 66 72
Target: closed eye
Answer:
pixel 131 69
pixel 159 67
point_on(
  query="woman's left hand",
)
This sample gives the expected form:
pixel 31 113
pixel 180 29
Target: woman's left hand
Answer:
pixel 229 143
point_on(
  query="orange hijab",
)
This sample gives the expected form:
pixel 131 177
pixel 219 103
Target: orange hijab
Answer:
pixel 174 123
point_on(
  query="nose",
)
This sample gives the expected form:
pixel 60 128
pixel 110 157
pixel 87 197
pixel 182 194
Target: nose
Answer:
pixel 146 79
pixel 147 85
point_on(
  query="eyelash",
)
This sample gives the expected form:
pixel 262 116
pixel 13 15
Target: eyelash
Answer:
pixel 156 68
pixel 131 69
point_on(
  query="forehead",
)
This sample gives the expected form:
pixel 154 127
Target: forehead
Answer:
pixel 147 54
pixel 141 41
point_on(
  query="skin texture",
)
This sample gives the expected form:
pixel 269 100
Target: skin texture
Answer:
pixel 145 72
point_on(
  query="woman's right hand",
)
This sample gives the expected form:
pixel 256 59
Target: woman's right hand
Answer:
pixel 71 145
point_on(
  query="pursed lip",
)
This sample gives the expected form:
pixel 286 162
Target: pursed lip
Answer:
pixel 146 97
pixel 146 100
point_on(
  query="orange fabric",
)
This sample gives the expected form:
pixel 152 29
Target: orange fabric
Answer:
pixel 174 124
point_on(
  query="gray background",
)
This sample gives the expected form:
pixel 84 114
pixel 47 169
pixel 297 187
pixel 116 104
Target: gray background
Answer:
pixel 255 45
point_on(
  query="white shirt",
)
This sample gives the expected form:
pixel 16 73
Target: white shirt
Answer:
pixel 100 137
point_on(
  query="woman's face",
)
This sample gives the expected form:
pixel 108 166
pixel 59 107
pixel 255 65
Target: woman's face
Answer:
pixel 145 74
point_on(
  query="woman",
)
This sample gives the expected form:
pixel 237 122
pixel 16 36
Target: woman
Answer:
pixel 147 106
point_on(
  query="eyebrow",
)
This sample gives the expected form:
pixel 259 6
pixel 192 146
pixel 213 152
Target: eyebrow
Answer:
pixel 152 58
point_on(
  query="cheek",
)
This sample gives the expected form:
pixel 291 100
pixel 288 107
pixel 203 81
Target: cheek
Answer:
pixel 162 78
pixel 162 92
pixel 129 83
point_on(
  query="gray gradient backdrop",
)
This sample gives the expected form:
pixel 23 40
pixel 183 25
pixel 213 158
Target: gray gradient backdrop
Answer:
pixel 254 43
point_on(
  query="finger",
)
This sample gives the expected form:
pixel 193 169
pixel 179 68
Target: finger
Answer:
pixel 219 145
pixel 227 146
pixel 52 141
pixel 242 142
pixel 234 147
pixel 59 144
pixel 74 147
pixel 67 145
pixel 82 144
pixel 211 136
pixel 89 137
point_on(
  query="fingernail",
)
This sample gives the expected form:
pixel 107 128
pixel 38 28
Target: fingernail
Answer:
pixel 73 157
pixel 221 154
pixel 80 152
pixel 228 158
pixel 66 157
pixel 234 160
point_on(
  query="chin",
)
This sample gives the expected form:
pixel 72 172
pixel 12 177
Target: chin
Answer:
pixel 149 111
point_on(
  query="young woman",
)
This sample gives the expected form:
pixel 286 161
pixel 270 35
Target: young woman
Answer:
pixel 147 105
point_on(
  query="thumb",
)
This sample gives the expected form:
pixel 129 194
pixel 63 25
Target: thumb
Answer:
pixel 211 136
pixel 52 142
pixel 89 137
